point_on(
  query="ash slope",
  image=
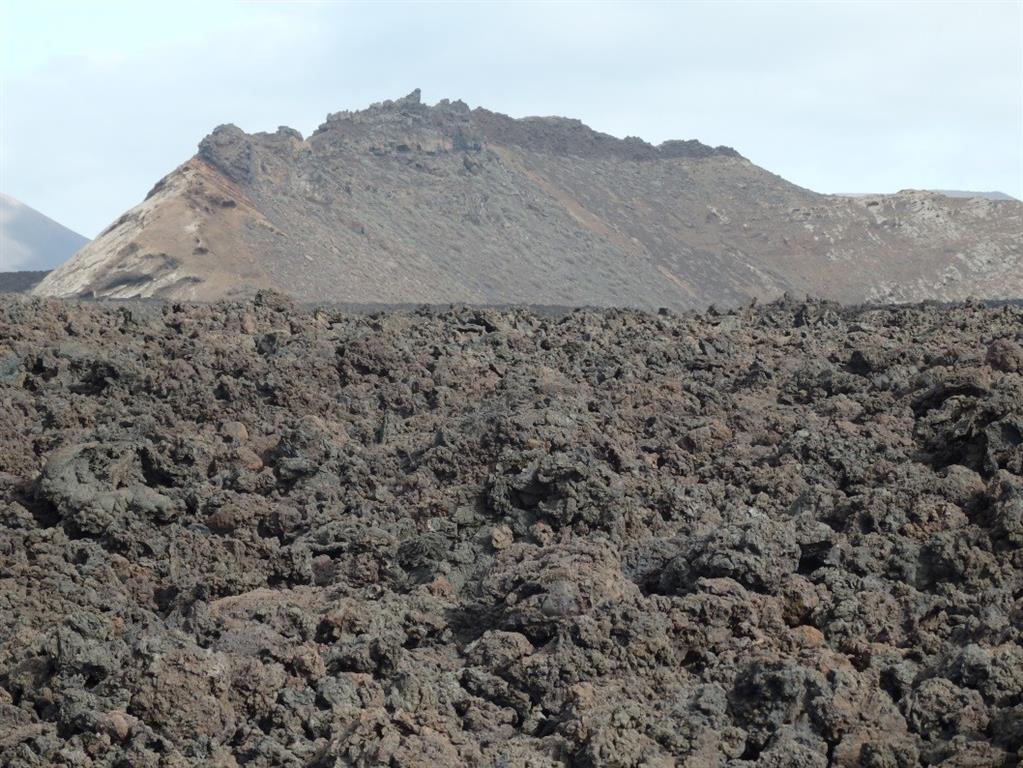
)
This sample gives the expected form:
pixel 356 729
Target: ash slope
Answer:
pixel 30 241
pixel 239 534
pixel 408 203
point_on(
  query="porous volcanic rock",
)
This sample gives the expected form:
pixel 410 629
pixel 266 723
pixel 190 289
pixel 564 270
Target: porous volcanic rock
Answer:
pixel 255 534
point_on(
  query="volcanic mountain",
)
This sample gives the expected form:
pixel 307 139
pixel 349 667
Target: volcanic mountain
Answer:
pixel 29 240
pixel 409 203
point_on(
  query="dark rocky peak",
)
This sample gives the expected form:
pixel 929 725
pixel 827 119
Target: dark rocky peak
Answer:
pixel 285 132
pixel 402 124
pixel 457 106
pixel 232 151
pixel 693 148
pixel 412 101
pixel 564 136
pixel 229 150
pixel 389 109
pixel 407 124
pixel 408 121
pixel 551 135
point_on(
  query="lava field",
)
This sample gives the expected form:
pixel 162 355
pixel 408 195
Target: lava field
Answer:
pixel 261 534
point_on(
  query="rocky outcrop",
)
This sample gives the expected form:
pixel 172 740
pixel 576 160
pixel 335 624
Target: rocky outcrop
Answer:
pixel 409 203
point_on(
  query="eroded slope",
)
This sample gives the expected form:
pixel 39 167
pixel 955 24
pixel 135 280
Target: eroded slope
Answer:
pixel 409 203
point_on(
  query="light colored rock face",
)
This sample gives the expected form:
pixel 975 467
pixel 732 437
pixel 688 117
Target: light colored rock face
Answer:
pixel 162 247
pixel 405 203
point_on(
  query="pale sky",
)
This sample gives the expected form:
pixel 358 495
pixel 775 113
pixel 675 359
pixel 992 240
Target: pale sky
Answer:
pixel 98 100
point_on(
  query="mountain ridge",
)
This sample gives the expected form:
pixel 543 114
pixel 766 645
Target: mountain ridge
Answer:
pixel 404 202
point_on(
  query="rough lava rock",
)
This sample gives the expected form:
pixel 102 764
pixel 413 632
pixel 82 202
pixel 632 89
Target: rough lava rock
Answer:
pixel 258 534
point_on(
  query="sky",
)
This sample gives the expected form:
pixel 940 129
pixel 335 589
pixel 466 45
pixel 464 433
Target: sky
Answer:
pixel 99 100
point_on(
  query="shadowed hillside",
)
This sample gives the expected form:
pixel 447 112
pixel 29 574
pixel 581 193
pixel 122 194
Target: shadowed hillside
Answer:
pixel 31 241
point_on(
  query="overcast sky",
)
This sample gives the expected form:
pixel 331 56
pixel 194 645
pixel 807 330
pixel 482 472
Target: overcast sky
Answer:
pixel 99 100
